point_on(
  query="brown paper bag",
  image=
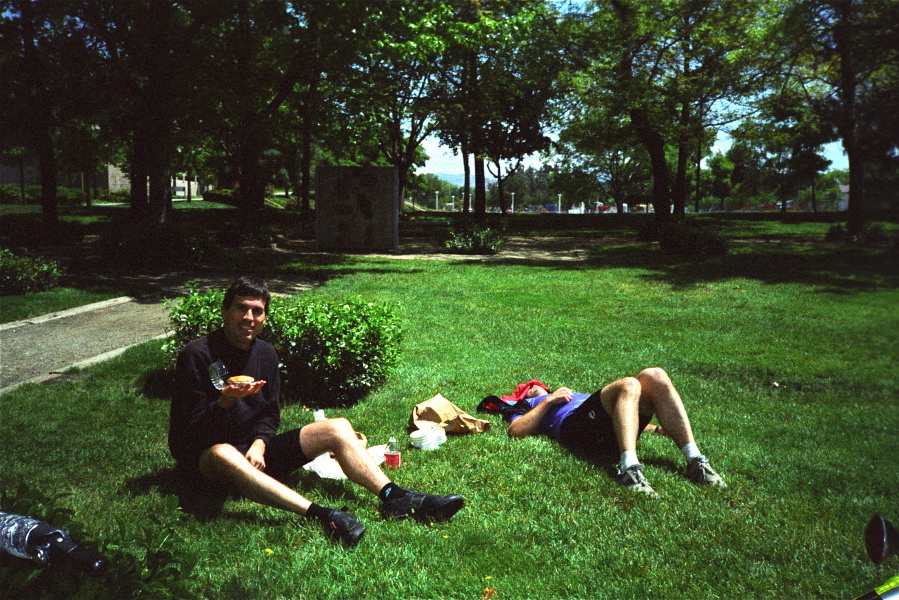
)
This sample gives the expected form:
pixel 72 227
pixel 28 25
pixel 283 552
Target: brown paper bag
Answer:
pixel 440 412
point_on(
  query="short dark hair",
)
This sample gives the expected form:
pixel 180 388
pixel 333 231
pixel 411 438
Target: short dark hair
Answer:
pixel 249 287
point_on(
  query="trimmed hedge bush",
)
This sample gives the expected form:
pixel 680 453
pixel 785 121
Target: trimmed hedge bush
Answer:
pixel 153 246
pixel 684 239
pixel 222 197
pixel 12 194
pixel 24 274
pixel 474 240
pixel 331 353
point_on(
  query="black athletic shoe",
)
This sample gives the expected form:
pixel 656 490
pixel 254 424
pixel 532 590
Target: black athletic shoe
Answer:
pixel 422 507
pixel 700 472
pixel 632 478
pixel 343 527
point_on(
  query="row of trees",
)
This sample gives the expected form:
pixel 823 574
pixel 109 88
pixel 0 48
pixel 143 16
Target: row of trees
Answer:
pixel 619 92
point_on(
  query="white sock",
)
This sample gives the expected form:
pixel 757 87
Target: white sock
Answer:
pixel 690 452
pixel 628 459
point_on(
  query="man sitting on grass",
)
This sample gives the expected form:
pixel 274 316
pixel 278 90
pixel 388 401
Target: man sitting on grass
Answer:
pixel 229 435
pixel 607 423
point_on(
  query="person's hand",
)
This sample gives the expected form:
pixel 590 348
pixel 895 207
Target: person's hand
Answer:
pixel 256 455
pixel 560 396
pixel 233 391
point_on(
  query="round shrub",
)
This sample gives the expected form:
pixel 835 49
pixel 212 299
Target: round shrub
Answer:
pixel 331 353
pixel 222 197
pixel 24 274
pixel 334 353
pixel 474 240
pixel 153 246
pixel 685 240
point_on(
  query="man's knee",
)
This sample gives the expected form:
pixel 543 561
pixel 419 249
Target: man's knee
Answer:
pixel 330 432
pixel 631 386
pixel 654 376
pixel 620 392
pixel 216 458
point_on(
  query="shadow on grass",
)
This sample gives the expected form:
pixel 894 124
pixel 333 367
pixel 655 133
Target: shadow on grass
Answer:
pixel 205 499
pixel 606 460
pixel 832 269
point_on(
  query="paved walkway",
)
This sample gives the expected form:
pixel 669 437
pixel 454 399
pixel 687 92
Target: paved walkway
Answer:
pixel 41 348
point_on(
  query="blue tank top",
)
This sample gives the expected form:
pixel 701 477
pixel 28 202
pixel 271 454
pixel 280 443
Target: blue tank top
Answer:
pixel 552 420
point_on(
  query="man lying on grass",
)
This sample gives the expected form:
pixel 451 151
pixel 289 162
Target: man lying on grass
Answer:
pixel 229 435
pixel 607 423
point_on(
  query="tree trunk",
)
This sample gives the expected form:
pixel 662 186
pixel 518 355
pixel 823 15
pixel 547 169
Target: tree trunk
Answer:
pixel 499 187
pixel 160 174
pixel 40 126
pixel 305 170
pixel 698 174
pixel 252 181
pixel 466 192
pixel 848 122
pixel 138 176
pixel 47 165
pixel 661 175
pixel 22 177
pixel 480 189
pixel 86 188
pixel 681 186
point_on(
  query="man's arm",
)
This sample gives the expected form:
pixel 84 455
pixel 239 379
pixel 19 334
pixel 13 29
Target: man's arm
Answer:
pixel 529 423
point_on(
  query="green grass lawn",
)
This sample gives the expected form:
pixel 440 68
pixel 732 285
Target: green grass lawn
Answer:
pixel 25 306
pixel 785 357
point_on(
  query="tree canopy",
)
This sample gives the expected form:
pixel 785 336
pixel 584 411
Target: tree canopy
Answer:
pixel 623 98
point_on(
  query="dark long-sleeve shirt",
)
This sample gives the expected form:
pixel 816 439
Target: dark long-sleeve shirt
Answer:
pixel 197 422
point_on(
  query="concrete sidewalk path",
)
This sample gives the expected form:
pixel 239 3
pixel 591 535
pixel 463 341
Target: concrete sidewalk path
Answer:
pixel 41 348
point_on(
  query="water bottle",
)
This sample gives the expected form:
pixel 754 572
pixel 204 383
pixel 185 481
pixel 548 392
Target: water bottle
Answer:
pixel 392 454
pixel 44 544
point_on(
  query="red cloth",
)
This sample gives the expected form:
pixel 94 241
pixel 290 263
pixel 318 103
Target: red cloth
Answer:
pixel 523 388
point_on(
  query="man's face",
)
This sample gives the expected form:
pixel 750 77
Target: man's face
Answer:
pixel 244 320
pixel 534 391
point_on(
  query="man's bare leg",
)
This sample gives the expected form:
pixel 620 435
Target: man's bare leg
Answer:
pixel 227 463
pixel 666 403
pixel 659 397
pixel 338 436
pixel 621 400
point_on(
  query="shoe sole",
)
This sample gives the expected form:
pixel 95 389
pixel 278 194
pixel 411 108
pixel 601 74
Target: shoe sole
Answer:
pixel 354 538
pixel 439 512
pixel 350 538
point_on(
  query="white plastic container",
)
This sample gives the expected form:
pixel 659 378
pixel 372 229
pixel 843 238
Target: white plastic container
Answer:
pixel 428 439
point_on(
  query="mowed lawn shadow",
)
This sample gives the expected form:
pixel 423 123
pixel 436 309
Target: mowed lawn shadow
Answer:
pixel 832 269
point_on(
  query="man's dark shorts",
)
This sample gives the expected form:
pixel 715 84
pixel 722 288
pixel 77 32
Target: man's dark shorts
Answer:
pixel 283 456
pixel 589 430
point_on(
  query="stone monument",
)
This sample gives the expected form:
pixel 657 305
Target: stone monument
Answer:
pixel 356 209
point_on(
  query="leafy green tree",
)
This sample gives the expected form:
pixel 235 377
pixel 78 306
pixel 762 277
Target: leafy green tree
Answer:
pixel 672 69
pixel 719 184
pixel 850 46
pixel 520 83
pixel 392 96
pixel 42 59
pixel 500 77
